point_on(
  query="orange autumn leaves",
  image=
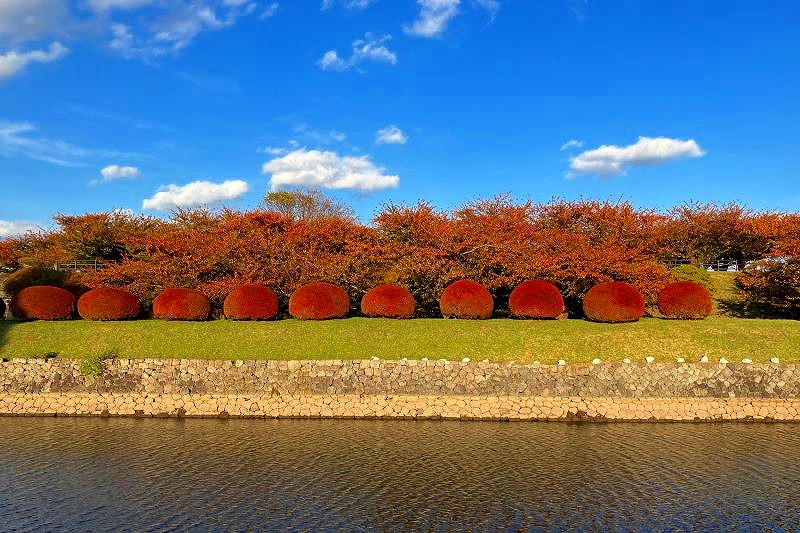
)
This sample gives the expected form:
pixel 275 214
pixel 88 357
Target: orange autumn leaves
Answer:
pixel 497 242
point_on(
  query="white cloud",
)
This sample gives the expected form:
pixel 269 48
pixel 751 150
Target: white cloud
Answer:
pixel 327 170
pixel 572 143
pixel 125 43
pixel 349 4
pixel 331 61
pixel 391 134
pixel 312 136
pixel 492 7
pixel 610 160
pixel 19 139
pixel 176 24
pixel 25 20
pixel 115 172
pixel 433 18
pixel 11 228
pixel 15 139
pixel 370 48
pixel 272 150
pixel 195 194
pixel 12 62
pixel 269 11
pixel 103 5
pixel 179 29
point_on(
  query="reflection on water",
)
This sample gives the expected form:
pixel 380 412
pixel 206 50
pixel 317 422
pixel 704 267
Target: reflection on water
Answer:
pixel 133 475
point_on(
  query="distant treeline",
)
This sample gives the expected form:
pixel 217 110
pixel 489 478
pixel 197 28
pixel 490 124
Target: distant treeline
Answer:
pixel 297 238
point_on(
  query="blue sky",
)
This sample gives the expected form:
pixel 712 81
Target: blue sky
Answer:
pixel 149 104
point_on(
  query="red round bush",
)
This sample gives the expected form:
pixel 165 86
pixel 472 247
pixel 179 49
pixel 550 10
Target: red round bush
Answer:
pixel 536 298
pixel 613 301
pixel 466 299
pixel 251 302
pixel 319 301
pixel 107 303
pixel 181 304
pixel 684 299
pixel 389 301
pixel 44 303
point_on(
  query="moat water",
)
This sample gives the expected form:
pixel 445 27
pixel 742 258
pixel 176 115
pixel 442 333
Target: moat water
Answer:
pixel 81 474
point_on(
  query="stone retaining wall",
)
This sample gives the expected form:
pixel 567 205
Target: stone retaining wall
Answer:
pixel 403 389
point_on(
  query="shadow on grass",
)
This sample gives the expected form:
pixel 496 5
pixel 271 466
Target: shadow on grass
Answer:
pixel 5 328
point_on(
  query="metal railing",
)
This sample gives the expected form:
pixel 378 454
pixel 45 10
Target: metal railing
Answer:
pixel 720 265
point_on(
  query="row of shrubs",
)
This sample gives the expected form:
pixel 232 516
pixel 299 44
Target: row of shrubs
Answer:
pixel 611 301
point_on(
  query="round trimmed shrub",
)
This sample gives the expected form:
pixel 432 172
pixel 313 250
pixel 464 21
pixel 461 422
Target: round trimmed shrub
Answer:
pixel 466 299
pixel 31 277
pixel 685 299
pixel 613 301
pixel 43 302
pixel 108 303
pixel 181 304
pixel 696 274
pixel 319 301
pixel 34 276
pixel 251 302
pixel 388 301
pixel 536 298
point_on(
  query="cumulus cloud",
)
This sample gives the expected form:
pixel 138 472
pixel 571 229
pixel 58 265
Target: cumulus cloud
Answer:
pixel 433 17
pixel 610 160
pixel 195 194
pixel 391 134
pixel 370 48
pixel 331 61
pixel 572 143
pixel 115 172
pixel 11 228
pixel 327 170
pixel 14 61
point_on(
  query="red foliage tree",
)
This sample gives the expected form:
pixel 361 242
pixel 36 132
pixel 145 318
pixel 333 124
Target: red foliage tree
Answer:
pixel 685 299
pixel 388 300
pixel 251 302
pixel 613 301
pixel 181 304
pixel 466 298
pixel 536 299
pixel 107 303
pixel 319 301
pixel 497 242
pixel 43 302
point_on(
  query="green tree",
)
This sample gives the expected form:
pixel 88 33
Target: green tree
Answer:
pixel 306 205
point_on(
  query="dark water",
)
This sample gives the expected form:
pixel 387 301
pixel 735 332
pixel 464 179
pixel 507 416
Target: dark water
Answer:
pixel 135 475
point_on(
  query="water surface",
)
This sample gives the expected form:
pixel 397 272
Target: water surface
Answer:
pixel 80 474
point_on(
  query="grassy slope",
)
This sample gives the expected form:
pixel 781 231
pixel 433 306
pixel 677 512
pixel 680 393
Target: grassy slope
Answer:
pixel 498 339
pixel 726 290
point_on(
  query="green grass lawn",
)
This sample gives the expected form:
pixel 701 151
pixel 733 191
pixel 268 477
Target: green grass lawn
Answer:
pixel 359 338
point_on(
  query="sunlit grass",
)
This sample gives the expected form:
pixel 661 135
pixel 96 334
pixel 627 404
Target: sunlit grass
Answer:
pixel 360 338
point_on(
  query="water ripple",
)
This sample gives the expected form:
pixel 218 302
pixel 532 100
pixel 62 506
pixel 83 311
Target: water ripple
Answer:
pixel 249 475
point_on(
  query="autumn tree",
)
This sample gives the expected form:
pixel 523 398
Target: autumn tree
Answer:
pixel 306 205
